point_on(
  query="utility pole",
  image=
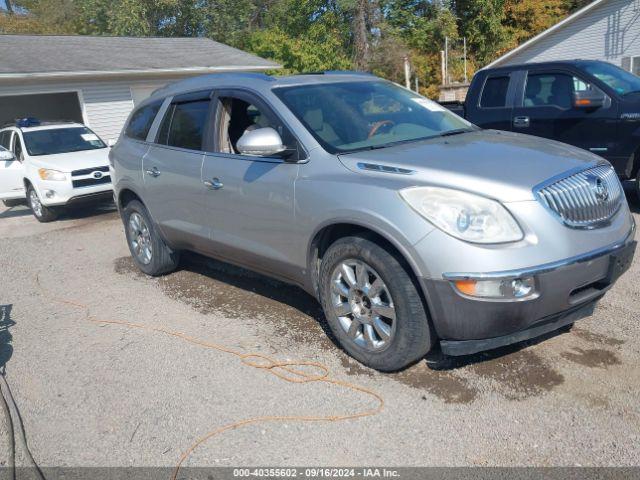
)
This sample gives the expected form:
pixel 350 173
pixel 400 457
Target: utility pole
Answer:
pixel 407 73
pixel 466 79
pixel 446 60
pixel 417 90
pixel 443 71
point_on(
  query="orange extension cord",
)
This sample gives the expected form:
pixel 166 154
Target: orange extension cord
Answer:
pixel 287 371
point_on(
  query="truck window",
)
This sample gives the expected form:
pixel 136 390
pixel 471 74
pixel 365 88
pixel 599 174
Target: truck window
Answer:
pixel 494 93
pixel 550 89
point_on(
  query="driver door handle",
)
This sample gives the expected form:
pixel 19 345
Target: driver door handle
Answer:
pixel 214 184
pixel 154 172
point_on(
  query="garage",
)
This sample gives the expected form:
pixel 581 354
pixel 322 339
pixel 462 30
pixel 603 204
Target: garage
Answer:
pixel 97 80
pixel 44 106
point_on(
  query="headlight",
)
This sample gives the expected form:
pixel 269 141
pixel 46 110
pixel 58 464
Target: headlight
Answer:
pixel 55 175
pixel 464 215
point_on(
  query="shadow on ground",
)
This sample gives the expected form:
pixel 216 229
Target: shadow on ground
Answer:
pixel 70 213
pixel 6 349
pixel 294 317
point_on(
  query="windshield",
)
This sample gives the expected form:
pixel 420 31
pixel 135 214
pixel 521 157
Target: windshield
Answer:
pixel 61 140
pixel 615 77
pixel 350 116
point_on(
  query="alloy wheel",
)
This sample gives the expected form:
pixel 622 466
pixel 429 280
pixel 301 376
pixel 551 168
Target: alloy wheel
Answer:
pixel 140 238
pixel 363 304
pixel 34 201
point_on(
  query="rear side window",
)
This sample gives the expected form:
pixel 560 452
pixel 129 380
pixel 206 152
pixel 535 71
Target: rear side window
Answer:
pixel 183 125
pixel 494 93
pixel 5 139
pixel 141 121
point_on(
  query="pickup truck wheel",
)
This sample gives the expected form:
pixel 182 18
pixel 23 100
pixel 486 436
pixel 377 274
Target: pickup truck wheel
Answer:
pixel 149 251
pixel 42 213
pixel 372 305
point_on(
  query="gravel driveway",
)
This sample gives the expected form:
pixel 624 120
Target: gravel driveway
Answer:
pixel 93 394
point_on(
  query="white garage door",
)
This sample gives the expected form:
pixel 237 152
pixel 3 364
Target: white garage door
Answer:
pixel 43 106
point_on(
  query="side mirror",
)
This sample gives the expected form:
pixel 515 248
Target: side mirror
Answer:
pixel 6 156
pixel 592 98
pixel 262 142
pixel 111 142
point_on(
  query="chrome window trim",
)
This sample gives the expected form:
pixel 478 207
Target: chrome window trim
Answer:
pixel 547 267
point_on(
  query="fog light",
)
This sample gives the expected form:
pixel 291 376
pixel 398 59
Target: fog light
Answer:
pixel 499 288
pixel 522 287
pixel 49 193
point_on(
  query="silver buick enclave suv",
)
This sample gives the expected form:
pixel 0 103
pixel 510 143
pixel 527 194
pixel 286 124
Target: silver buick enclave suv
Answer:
pixel 410 225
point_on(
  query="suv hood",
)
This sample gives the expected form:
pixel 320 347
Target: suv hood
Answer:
pixel 502 165
pixel 68 162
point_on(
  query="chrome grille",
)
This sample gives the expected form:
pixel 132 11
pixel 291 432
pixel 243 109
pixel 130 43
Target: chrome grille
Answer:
pixel 585 199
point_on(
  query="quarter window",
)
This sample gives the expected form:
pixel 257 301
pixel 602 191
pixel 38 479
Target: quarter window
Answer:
pixel 141 121
pixel 183 125
pixel 494 93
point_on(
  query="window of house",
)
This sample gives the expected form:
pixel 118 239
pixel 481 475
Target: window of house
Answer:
pixel 550 89
pixel 141 121
pixel 494 93
pixel 183 125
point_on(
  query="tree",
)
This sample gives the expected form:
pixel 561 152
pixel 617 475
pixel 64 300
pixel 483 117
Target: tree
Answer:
pixel 482 23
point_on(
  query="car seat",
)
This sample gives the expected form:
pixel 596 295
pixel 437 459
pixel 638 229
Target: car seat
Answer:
pixel 315 119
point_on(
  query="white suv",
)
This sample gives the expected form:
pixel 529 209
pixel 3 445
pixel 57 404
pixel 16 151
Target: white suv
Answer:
pixel 53 165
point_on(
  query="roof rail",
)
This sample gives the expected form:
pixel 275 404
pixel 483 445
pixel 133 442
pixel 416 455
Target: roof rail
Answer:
pixel 338 72
pixel 348 72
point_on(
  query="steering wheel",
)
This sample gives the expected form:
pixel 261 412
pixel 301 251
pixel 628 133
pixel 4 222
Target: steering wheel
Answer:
pixel 376 126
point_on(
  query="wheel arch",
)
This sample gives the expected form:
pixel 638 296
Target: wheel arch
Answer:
pixel 125 195
pixel 330 232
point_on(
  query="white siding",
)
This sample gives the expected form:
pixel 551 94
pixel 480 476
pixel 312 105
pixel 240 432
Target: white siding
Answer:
pixel 608 32
pixel 107 107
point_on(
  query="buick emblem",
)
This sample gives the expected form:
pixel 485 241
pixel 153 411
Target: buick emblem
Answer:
pixel 599 188
pixel 97 175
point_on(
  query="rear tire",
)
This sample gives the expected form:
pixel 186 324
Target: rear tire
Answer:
pixel 149 251
pixel 42 213
pixel 372 305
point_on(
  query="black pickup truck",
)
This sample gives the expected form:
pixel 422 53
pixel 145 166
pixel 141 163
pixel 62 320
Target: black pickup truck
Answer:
pixel 590 104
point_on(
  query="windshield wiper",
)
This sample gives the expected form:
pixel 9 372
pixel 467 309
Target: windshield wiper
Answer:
pixel 457 131
pixel 631 92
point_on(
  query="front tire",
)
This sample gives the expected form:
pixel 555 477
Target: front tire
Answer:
pixel 372 305
pixel 149 251
pixel 42 213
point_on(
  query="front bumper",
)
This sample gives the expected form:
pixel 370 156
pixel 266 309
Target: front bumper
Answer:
pixel 567 291
pixel 54 194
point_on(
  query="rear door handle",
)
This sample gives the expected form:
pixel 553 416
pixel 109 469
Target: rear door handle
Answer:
pixel 154 172
pixel 214 184
pixel 521 122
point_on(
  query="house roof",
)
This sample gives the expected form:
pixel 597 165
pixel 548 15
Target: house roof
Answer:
pixel 548 31
pixel 31 56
